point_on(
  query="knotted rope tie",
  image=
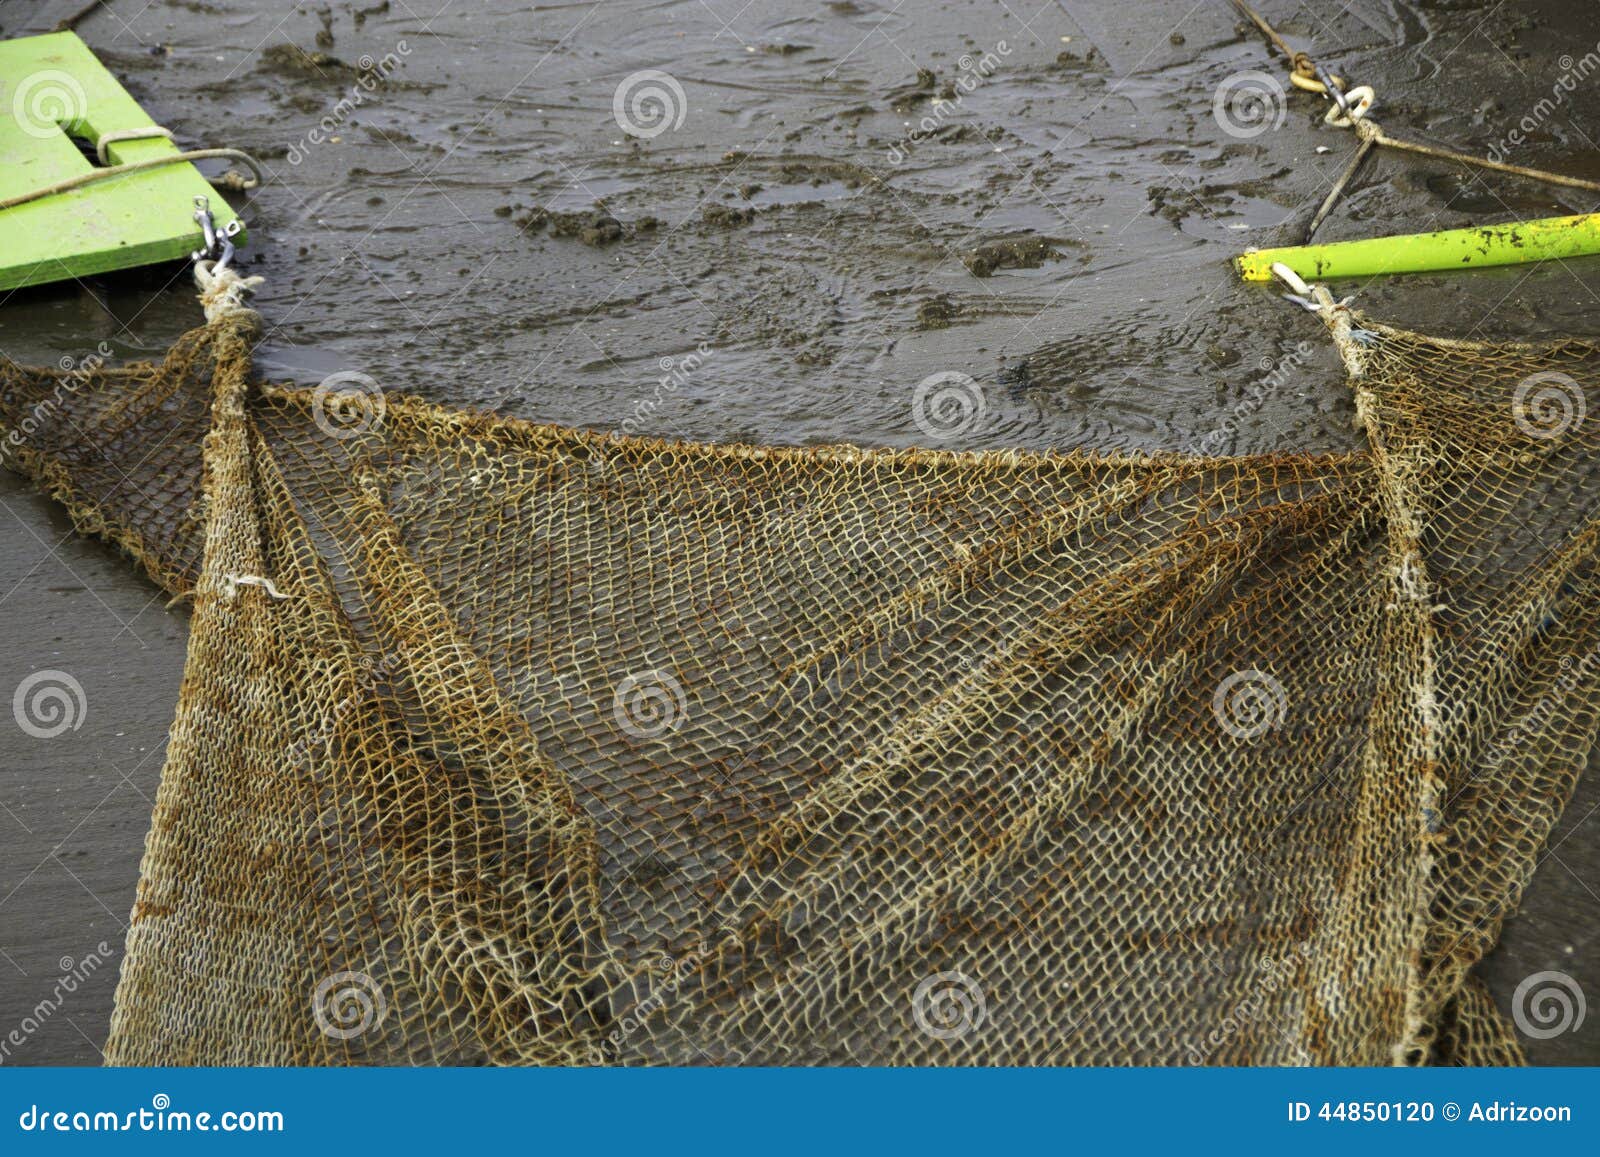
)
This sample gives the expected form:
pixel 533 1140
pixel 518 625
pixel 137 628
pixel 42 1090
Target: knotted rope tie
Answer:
pixel 222 291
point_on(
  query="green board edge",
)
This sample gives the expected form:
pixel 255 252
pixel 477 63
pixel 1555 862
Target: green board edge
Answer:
pixel 1552 238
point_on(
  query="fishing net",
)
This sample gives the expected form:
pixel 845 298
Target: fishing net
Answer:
pixel 503 742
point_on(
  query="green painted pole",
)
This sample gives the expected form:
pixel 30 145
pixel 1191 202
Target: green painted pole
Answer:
pixel 1518 242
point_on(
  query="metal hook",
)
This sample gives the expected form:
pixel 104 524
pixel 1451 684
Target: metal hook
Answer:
pixel 219 242
pixel 1326 78
pixel 208 227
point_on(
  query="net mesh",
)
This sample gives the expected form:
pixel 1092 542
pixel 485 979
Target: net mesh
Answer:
pixel 569 748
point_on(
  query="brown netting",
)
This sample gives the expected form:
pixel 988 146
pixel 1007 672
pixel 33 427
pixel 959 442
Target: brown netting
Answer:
pixel 567 748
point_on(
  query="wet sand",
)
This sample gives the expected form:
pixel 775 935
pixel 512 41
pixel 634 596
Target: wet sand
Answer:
pixel 859 194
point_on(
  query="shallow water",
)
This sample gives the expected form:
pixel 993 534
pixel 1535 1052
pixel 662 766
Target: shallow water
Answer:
pixel 796 250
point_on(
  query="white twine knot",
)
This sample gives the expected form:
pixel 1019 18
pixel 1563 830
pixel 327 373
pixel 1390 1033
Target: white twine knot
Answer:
pixel 222 291
pixel 235 581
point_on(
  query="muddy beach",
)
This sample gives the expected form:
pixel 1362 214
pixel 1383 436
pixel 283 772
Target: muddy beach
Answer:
pixel 828 204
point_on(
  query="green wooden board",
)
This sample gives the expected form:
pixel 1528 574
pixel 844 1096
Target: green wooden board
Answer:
pixel 52 89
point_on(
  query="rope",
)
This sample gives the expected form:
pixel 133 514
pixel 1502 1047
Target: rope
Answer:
pixel 1355 104
pixel 222 290
pixel 1302 67
pixel 1371 132
pixel 1335 314
pixel 1368 143
pixel 149 132
pixel 1311 83
pixel 1351 107
pixel 1483 162
pixel 94 175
